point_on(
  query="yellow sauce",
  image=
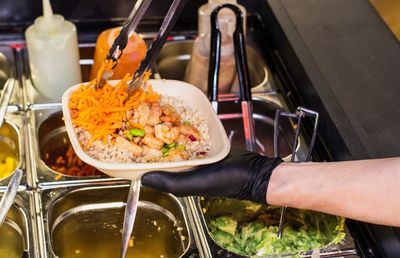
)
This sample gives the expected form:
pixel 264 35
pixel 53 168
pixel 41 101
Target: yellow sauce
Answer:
pixel 8 151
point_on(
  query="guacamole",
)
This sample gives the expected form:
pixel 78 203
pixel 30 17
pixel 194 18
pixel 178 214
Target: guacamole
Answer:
pixel 252 230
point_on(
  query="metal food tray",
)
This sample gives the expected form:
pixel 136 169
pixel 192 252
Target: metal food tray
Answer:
pixel 40 191
pixel 21 221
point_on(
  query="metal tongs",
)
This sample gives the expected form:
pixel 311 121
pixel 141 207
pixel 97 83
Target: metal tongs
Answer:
pixel 128 28
pixel 300 114
pixel 151 54
pixel 241 67
pixel 119 44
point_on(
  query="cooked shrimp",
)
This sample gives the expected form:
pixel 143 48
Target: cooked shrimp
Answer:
pixel 189 130
pixel 155 114
pixel 182 139
pixel 123 143
pixel 140 115
pixel 153 142
pixel 167 110
pixel 178 155
pixel 173 118
pixel 137 140
pixel 170 115
pixel 148 129
pixel 151 155
pixel 166 132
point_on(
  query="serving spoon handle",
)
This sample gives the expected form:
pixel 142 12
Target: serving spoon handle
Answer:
pixel 130 215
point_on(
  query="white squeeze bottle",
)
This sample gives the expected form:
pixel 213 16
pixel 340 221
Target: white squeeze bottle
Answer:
pixel 53 53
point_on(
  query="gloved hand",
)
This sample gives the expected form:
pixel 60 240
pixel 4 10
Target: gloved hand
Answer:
pixel 241 175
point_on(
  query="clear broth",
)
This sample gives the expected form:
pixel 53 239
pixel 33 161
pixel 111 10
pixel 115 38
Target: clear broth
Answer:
pixel 99 234
pixel 11 242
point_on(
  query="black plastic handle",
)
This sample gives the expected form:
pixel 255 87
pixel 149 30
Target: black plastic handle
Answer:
pixel 240 55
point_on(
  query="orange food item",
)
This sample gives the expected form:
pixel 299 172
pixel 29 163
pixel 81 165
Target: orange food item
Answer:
pixel 69 164
pixel 133 54
pixel 100 112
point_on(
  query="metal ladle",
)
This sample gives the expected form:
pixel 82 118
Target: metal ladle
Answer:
pixel 130 215
pixel 12 188
pixel 9 195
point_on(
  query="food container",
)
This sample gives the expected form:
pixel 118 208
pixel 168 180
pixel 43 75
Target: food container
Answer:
pixel 207 208
pixel 231 116
pixel 175 56
pixel 7 70
pixel 194 99
pixel 88 222
pixel 48 142
pixel 251 215
pixel 18 239
pixel 12 145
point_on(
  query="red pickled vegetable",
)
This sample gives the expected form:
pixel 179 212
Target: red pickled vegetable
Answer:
pixel 192 138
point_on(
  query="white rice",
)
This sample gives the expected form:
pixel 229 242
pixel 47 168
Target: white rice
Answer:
pixel 107 152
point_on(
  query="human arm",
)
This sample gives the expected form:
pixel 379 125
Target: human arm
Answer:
pixel 366 190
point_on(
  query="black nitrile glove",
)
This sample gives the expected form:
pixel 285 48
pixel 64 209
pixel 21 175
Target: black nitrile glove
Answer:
pixel 241 175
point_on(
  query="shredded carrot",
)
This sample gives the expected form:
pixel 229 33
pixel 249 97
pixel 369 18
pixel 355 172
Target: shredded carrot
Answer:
pixel 100 112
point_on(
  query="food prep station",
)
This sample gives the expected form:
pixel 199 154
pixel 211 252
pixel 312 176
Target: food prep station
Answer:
pixel 52 209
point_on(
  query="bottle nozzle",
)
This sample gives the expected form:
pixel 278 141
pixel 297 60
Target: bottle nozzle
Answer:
pixel 47 11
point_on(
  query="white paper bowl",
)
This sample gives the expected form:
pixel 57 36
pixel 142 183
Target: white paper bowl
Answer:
pixel 193 98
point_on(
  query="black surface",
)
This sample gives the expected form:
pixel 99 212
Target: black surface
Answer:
pixel 339 58
pixel 357 60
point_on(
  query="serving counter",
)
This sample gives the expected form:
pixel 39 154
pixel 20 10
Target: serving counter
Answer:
pixel 52 209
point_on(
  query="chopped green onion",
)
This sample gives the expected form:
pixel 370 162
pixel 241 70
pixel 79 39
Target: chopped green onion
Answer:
pixel 187 122
pixel 181 147
pixel 171 145
pixel 137 132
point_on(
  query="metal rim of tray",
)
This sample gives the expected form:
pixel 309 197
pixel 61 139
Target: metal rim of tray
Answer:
pixel 63 194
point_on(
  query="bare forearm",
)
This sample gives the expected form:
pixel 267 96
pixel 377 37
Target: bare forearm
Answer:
pixel 367 190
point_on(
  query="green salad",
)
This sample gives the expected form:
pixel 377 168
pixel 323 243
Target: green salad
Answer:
pixel 251 229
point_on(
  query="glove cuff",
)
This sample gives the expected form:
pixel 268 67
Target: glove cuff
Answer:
pixel 260 187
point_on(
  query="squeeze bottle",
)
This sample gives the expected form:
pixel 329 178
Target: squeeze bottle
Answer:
pixel 52 44
pixel 132 55
pixel 197 68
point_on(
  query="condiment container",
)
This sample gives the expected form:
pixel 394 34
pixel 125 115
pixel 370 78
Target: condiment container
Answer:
pixel 53 53
pixel 130 59
pixel 197 69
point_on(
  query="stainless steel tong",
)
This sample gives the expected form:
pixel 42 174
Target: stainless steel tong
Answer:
pixel 241 68
pixel 129 27
pixel 151 54
pixel 121 41
pixel 168 23
pixel 300 114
